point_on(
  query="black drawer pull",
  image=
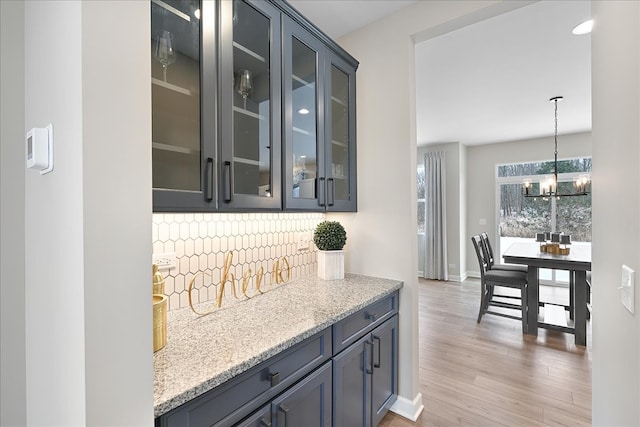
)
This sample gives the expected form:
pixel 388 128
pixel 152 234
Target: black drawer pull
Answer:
pixel 284 410
pixel 209 179
pixel 377 338
pixel 274 378
pixel 368 366
pixel 266 422
pixel 227 182
pixel 321 192
pixel 372 316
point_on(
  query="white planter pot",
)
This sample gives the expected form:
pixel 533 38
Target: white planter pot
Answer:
pixel 331 265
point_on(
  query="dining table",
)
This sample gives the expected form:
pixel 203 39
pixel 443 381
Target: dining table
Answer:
pixel 577 262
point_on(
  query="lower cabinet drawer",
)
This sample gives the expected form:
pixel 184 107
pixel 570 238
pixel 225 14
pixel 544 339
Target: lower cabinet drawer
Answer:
pixel 349 330
pixel 230 402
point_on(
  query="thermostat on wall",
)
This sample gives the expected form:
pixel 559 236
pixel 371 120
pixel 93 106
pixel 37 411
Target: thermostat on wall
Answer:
pixel 40 149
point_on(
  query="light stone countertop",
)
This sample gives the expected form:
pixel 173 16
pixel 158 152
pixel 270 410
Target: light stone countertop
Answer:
pixel 203 352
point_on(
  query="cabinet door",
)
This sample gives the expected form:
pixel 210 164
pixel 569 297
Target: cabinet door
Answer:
pixel 307 404
pixel 250 107
pixel 384 381
pixel 183 150
pixel 303 90
pixel 340 125
pixel 260 418
pixel 351 384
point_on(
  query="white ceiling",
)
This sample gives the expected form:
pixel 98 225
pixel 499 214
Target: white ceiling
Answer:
pixel 490 81
pixel 339 17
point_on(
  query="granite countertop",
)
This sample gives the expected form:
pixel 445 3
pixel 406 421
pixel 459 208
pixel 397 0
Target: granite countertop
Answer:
pixel 203 352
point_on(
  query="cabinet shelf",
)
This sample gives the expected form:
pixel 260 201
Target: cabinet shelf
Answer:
pixel 339 101
pixel 173 87
pixel 249 52
pixel 172 9
pixel 246 161
pixel 173 148
pixel 303 132
pixel 300 80
pixel 339 143
pixel 248 113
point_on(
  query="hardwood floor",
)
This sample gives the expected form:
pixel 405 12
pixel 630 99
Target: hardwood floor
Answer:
pixel 489 374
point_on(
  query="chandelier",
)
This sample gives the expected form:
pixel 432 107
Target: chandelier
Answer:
pixel 549 184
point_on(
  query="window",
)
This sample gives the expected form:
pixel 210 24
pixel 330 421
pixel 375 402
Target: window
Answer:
pixel 520 218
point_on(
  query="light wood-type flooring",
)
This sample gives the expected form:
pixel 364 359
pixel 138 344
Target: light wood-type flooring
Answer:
pixel 489 374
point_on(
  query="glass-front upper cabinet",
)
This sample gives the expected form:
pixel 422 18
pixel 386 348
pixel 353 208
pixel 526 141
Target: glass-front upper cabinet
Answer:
pixel 319 124
pixel 250 88
pixel 183 149
pixel 304 171
pixel 341 134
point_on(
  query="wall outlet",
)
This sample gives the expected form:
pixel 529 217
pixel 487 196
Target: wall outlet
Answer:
pixel 452 266
pixel 303 240
pixel 165 261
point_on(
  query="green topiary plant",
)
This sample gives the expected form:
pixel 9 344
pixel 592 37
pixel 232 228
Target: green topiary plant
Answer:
pixel 330 236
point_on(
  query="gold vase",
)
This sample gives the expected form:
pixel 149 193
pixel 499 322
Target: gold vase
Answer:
pixel 159 321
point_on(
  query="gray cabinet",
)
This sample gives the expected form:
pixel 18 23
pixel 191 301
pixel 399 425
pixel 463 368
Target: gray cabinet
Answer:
pixel 250 108
pixel 183 90
pixel 366 377
pixel 319 124
pixel 365 364
pixel 229 403
pixel 253 109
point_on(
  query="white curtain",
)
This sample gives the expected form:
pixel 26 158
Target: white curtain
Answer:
pixel 435 253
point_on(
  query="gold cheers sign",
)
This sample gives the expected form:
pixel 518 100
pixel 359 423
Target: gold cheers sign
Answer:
pixel 241 286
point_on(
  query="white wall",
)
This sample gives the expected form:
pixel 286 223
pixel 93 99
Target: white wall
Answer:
pixel 454 198
pixel 53 210
pixel 117 207
pixel 384 240
pixel 87 72
pixel 616 210
pixel 12 323
pixel 481 178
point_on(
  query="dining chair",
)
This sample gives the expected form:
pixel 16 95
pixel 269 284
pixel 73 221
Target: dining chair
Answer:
pixel 488 252
pixel 490 279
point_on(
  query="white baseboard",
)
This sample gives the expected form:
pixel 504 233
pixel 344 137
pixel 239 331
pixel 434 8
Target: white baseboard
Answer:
pixel 409 409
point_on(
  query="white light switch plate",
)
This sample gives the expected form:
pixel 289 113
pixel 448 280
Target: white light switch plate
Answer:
pixel 628 288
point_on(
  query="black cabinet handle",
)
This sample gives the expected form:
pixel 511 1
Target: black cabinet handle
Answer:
pixel 331 190
pixel 264 421
pixel 377 338
pixel 227 182
pixel 369 366
pixel 209 179
pixel 321 192
pixel 285 411
pixel 372 317
pixel 274 378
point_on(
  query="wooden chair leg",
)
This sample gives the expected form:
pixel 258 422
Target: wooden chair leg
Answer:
pixel 483 298
pixel 523 301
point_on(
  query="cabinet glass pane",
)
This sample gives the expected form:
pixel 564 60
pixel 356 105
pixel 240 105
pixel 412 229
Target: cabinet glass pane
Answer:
pixel 251 101
pixel 304 78
pixel 340 132
pixel 175 91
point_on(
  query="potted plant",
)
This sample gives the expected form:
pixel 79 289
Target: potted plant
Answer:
pixel 330 237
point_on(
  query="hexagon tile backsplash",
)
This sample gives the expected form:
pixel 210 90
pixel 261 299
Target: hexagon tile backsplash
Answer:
pixel 200 242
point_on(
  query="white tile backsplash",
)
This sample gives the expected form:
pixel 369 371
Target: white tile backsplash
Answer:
pixel 201 241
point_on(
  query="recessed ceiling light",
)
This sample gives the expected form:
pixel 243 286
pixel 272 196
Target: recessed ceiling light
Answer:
pixel 303 111
pixel 584 28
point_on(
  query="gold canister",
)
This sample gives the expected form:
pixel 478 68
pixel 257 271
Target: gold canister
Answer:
pixel 159 321
pixel 158 281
